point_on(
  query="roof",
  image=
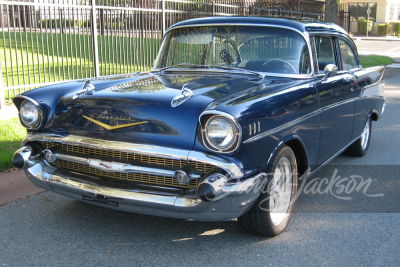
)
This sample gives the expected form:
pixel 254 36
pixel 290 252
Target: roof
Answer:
pixel 297 24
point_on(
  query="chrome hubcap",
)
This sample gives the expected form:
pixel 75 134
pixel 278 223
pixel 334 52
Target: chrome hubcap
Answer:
pixel 281 191
pixel 365 136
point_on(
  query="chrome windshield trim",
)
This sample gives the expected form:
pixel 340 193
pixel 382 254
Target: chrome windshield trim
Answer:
pixel 233 169
pixel 304 35
pixel 244 72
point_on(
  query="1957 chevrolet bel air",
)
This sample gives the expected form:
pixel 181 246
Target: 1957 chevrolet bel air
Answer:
pixel 234 111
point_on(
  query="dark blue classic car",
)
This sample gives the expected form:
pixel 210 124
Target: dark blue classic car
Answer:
pixel 234 111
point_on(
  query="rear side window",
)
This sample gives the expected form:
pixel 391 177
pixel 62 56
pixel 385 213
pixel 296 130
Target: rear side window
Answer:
pixel 324 50
pixel 349 60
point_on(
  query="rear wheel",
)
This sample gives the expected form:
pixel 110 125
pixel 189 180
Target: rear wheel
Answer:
pixel 272 211
pixel 360 147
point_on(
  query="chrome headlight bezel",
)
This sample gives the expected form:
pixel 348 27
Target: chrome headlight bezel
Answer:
pixel 37 123
pixel 207 118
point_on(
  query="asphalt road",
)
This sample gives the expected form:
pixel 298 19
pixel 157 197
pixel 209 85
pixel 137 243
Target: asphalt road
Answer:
pixel 378 47
pixel 331 226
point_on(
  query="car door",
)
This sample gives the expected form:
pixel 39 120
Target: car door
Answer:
pixel 369 85
pixel 336 98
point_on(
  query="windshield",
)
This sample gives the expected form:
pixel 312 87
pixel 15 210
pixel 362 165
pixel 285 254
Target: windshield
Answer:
pixel 260 49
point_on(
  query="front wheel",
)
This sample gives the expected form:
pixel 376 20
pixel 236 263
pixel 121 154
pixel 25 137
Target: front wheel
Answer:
pixel 272 211
pixel 360 147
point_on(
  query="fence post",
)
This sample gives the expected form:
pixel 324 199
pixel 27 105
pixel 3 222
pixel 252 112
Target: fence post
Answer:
pixel 163 17
pixel 95 43
pixel 213 8
pixel 2 92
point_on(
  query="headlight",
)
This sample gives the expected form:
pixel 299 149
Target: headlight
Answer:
pixel 30 114
pixel 221 133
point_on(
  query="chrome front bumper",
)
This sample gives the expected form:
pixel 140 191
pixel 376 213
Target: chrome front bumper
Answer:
pixel 234 200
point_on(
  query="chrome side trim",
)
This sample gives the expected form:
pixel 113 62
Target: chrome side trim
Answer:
pixel 233 169
pixel 112 166
pixel 281 128
pixel 332 158
pixel 294 122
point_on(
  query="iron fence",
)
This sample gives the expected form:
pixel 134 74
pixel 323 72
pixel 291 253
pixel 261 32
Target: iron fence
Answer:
pixel 45 43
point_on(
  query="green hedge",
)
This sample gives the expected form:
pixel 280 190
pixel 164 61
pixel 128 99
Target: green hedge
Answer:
pixel 362 26
pixel 56 23
pixel 397 29
pixel 382 29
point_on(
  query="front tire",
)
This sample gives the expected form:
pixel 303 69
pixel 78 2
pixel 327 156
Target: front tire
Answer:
pixel 272 211
pixel 360 147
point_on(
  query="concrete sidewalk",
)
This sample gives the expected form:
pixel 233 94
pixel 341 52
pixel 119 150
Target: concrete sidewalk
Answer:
pixel 8 112
pixel 14 185
pixel 375 38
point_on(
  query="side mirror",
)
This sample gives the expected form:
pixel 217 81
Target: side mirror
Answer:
pixel 330 70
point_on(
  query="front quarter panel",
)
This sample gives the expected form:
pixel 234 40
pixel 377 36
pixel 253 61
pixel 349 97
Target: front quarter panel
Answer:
pixel 269 116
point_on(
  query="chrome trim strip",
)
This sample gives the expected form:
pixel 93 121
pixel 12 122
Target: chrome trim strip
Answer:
pixel 234 170
pixel 332 158
pixel 112 166
pixel 338 104
pixel 280 128
pixel 148 150
pixel 301 119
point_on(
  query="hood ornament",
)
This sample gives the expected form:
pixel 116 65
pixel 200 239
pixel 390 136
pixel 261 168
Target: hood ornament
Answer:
pixel 87 89
pixel 185 94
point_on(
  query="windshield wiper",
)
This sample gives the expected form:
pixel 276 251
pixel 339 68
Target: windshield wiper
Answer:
pixel 261 76
pixel 184 65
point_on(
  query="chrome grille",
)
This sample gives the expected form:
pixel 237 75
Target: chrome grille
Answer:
pixel 119 155
pixel 133 177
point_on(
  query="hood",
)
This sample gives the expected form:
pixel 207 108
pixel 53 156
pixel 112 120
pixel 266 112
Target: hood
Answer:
pixel 138 109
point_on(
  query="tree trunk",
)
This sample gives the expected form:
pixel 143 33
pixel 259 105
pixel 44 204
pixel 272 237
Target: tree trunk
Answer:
pixel 331 9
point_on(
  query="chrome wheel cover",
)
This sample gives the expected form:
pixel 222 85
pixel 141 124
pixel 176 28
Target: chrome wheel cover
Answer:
pixel 365 136
pixel 281 191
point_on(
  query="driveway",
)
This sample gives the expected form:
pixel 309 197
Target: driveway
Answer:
pixel 352 221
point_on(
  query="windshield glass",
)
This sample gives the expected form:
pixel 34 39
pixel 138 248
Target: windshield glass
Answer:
pixel 261 49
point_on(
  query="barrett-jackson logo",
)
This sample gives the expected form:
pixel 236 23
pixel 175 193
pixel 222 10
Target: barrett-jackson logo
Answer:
pixel 112 119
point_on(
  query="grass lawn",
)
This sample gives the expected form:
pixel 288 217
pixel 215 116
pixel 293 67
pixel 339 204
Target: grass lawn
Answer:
pixel 370 61
pixel 11 136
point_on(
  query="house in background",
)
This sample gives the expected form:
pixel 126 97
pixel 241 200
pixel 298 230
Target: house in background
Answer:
pixel 380 11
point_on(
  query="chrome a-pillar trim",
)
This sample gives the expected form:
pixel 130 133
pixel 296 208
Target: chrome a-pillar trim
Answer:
pixel 233 169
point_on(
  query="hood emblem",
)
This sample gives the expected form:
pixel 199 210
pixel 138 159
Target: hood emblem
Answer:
pixel 114 127
pixel 185 94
